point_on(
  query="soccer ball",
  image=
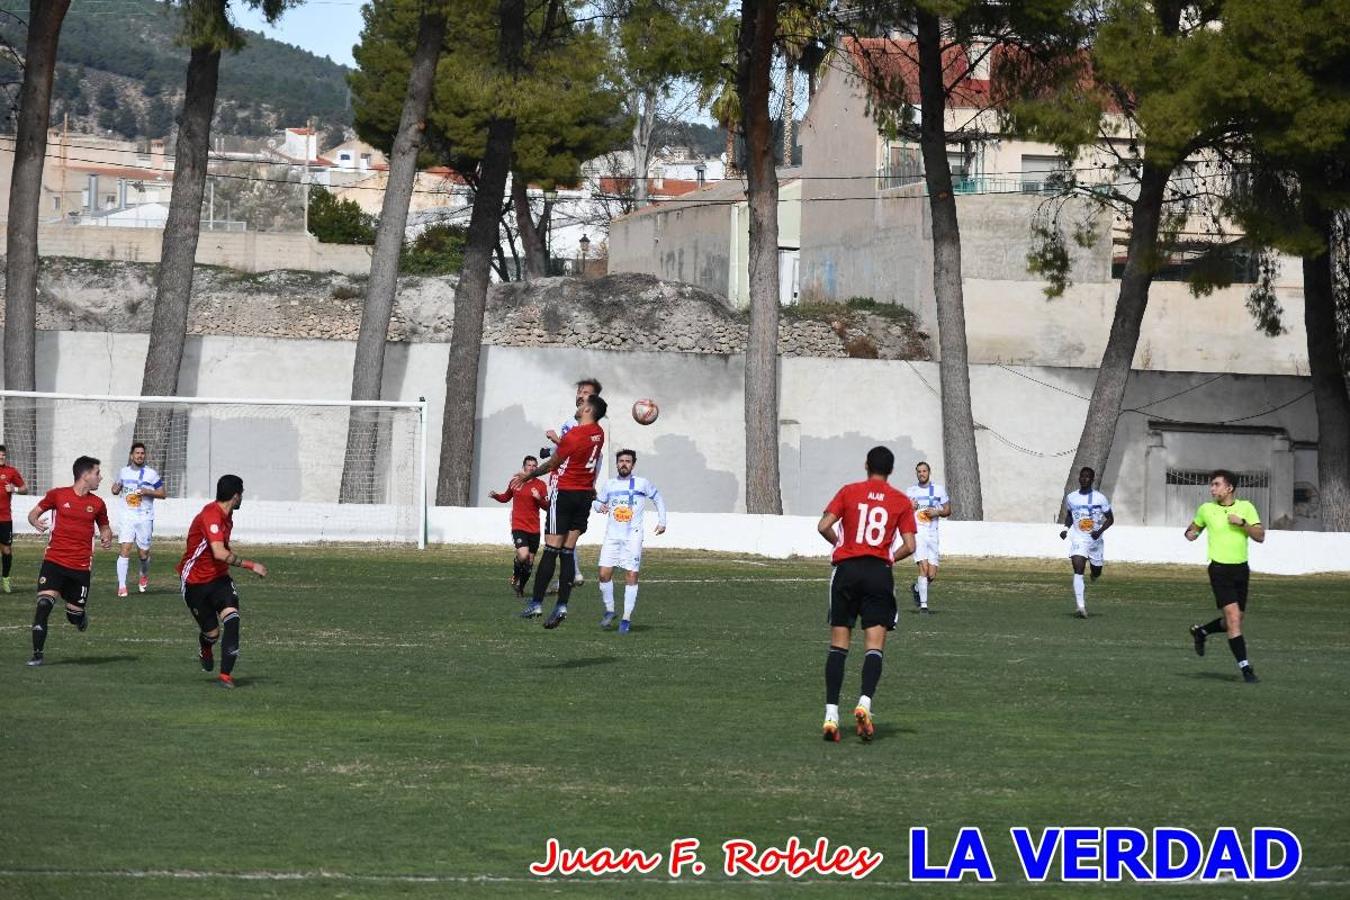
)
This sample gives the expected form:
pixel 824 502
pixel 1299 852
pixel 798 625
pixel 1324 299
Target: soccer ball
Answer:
pixel 645 412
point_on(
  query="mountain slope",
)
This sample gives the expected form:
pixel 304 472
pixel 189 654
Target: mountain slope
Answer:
pixel 121 69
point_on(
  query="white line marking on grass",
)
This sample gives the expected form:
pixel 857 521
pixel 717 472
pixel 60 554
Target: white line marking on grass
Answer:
pixel 732 580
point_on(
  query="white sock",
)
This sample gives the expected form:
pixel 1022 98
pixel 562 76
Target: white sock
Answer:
pixel 831 712
pixel 123 566
pixel 865 702
pixel 1078 590
pixel 145 567
pixel 921 585
pixel 607 595
pixel 629 600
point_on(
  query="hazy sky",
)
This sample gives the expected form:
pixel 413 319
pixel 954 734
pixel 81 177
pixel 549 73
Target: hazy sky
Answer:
pixel 323 27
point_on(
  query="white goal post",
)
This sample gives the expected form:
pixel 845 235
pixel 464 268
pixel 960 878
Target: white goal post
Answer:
pixel 290 454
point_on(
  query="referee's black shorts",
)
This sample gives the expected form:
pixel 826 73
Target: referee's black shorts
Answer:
pixel 1229 581
pixel 569 511
pixel 862 588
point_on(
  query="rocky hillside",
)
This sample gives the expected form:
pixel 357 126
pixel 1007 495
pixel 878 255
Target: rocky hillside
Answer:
pixel 617 312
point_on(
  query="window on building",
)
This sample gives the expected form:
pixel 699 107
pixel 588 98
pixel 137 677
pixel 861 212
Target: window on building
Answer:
pixel 56 203
pixel 1233 262
pixel 901 166
pixel 1043 174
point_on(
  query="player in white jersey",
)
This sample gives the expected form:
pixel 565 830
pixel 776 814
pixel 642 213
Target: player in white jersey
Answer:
pixel 930 503
pixel 1087 515
pixel 139 486
pixel 623 499
pixel 585 388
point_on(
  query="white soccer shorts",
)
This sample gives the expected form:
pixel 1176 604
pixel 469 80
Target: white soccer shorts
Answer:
pixel 1081 544
pixel 136 531
pixel 926 549
pixel 622 553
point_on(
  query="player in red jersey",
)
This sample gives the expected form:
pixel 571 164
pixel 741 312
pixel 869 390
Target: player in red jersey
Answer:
pixel 70 550
pixel 11 482
pixel 873 519
pixel 578 454
pixel 204 569
pixel 526 504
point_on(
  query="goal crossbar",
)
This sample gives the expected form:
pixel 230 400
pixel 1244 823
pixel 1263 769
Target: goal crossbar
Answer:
pixel 292 456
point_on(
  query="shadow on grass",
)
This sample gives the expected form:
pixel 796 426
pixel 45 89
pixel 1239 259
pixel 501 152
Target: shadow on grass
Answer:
pixel 582 663
pixel 91 660
pixel 889 729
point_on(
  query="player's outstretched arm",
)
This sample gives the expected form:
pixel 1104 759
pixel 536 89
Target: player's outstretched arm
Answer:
pixel 230 558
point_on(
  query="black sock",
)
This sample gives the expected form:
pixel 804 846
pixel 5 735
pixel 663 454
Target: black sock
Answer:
pixel 1239 647
pixel 834 673
pixel 871 673
pixel 567 572
pixel 515 571
pixel 1218 626
pixel 230 645
pixel 525 569
pixel 206 643
pixel 545 574
pixel 44 609
pixel 76 620
pixel 8 562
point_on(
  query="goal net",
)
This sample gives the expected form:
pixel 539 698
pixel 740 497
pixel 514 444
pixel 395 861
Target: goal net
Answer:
pixel 301 483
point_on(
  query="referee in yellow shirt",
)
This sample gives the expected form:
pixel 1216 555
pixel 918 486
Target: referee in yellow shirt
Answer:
pixel 1227 522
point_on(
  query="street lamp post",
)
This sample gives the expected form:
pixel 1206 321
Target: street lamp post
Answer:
pixel 585 245
pixel 550 197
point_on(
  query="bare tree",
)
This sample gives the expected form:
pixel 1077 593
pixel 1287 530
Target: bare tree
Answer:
pixel 532 234
pixel 754 84
pixel 21 253
pixel 358 468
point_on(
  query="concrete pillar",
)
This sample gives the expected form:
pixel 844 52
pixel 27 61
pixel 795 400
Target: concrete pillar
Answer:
pixel 1281 482
pixel 1155 479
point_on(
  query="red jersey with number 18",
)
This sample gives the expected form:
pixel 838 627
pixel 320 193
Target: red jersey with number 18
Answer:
pixel 579 451
pixel 870 514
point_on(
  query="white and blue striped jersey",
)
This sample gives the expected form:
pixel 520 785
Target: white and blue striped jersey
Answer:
pixel 925 497
pixel 627 499
pixel 1087 512
pixel 136 505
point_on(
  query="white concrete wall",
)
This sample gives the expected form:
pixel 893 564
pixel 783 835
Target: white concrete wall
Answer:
pixel 832 411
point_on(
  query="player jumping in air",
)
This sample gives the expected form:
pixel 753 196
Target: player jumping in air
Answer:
pixel 204 569
pixel 931 503
pixel 623 500
pixel 1087 515
pixel 11 482
pixel 576 459
pixel 526 504
pixel 76 512
pixel 1227 522
pixel 139 487
pixel 872 517
pixel 586 387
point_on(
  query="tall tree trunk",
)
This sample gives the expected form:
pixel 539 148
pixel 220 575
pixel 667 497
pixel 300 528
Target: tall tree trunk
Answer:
pixel 730 168
pixel 358 467
pixel 789 108
pixel 959 451
pixel 459 427
pixel 644 124
pixel 531 236
pixel 21 250
pixel 1108 394
pixel 754 58
pixel 173 287
pixel 1328 380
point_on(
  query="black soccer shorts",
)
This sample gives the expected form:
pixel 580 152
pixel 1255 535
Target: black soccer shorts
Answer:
pixel 7 533
pixel 569 511
pixel 205 601
pixel 71 584
pixel 528 539
pixel 862 588
pixel 1229 582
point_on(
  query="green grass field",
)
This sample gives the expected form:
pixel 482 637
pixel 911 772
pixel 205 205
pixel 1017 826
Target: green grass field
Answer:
pixel 397 732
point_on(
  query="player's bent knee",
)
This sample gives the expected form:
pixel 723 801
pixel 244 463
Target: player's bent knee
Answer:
pixel 228 613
